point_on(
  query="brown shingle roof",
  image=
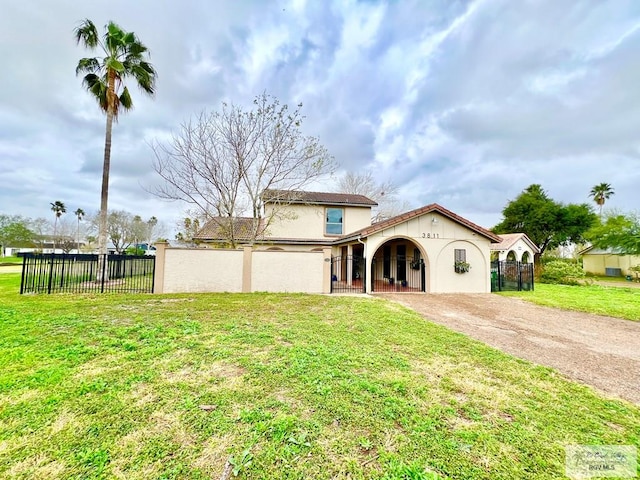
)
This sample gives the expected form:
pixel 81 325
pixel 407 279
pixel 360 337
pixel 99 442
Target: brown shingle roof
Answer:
pixel 218 228
pixel 434 207
pixel 318 198
pixel 509 240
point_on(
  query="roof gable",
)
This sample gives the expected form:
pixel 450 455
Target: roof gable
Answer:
pixel 218 228
pixel 510 239
pixel 434 207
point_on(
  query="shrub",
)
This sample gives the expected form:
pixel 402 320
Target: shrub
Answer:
pixel 562 272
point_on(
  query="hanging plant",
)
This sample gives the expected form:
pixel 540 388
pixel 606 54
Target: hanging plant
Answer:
pixel 461 267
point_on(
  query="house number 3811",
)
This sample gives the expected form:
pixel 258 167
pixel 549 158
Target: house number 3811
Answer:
pixel 430 235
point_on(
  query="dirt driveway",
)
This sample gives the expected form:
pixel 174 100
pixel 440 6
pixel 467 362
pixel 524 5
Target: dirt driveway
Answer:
pixel 603 352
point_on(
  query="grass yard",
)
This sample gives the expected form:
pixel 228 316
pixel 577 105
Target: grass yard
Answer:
pixel 612 301
pixel 282 386
pixel 10 261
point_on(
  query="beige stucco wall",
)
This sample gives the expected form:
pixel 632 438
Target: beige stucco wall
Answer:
pixel 202 270
pixel 597 263
pixel 287 271
pixel 246 270
pixel 437 241
pixel 307 221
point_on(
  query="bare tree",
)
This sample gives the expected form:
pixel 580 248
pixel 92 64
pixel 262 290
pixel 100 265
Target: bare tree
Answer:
pixel 220 163
pixel 384 193
pixel 42 229
pixel 64 237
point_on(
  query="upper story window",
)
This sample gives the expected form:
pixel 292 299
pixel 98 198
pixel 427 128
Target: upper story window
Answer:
pixel 334 221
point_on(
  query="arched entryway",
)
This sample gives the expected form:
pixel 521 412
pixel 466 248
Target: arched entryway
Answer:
pixel 398 265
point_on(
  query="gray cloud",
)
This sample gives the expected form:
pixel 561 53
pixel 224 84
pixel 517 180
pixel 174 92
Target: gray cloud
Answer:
pixel 463 103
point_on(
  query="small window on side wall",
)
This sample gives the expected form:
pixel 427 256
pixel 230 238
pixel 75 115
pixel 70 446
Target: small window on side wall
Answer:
pixel 460 264
pixel 334 221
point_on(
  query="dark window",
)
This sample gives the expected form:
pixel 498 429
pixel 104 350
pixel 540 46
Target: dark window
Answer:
pixel 334 222
pixel 460 255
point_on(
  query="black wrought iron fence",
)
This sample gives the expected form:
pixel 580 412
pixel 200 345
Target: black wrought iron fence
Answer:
pixel 347 274
pixel 86 273
pixel 511 276
pixel 397 274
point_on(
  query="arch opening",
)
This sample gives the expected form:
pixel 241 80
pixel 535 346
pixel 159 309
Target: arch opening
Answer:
pixel 398 265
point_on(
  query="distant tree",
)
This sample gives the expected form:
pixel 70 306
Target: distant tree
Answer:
pixel 600 194
pixel 121 229
pixel 79 213
pixel 546 222
pixel 42 228
pixel 152 224
pixel 188 230
pixel 384 193
pixel 620 232
pixel 14 231
pixel 58 208
pixel 138 229
pixel 220 163
pixel 122 56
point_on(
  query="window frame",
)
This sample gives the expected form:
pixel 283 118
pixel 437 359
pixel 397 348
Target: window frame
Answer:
pixel 327 223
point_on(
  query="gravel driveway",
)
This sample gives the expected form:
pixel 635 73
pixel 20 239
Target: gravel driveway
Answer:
pixel 603 352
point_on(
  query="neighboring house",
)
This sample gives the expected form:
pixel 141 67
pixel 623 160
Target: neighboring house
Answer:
pixel 607 262
pixel 44 244
pixel 429 249
pixel 516 247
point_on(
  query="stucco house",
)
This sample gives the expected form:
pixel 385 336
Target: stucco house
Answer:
pixel 516 247
pixel 608 262
pixel 429 249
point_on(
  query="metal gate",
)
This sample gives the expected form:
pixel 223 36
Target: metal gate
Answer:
pixel 511 276
pixel 347 274
pixel 397 274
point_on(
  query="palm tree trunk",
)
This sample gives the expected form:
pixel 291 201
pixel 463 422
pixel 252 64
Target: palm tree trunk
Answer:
pixel 104 197
pixel 55 227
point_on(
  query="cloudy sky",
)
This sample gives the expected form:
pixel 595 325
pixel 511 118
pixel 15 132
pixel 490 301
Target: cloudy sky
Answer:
pixel 463 103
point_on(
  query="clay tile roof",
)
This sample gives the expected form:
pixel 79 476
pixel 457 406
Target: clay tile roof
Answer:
pixel 218 228
pixel 434 207
pixel 510 239
pixel 318 198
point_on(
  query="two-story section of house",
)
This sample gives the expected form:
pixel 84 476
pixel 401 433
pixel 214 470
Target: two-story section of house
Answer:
pixel 312 218
pixel 429 249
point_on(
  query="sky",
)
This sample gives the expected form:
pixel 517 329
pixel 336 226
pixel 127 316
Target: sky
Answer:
pixel 460 103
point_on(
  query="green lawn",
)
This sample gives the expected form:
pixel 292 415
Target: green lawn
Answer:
pixel 285 386
pixel 10 261
pixel 612 301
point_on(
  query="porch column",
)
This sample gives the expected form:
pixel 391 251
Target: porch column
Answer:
pixel 158 277
pixel 349 265
pixel 326 270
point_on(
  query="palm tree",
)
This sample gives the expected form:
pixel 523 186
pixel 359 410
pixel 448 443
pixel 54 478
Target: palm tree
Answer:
pixel 58 209
pixel 122 56
pixel 600 194
pixel 79 213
